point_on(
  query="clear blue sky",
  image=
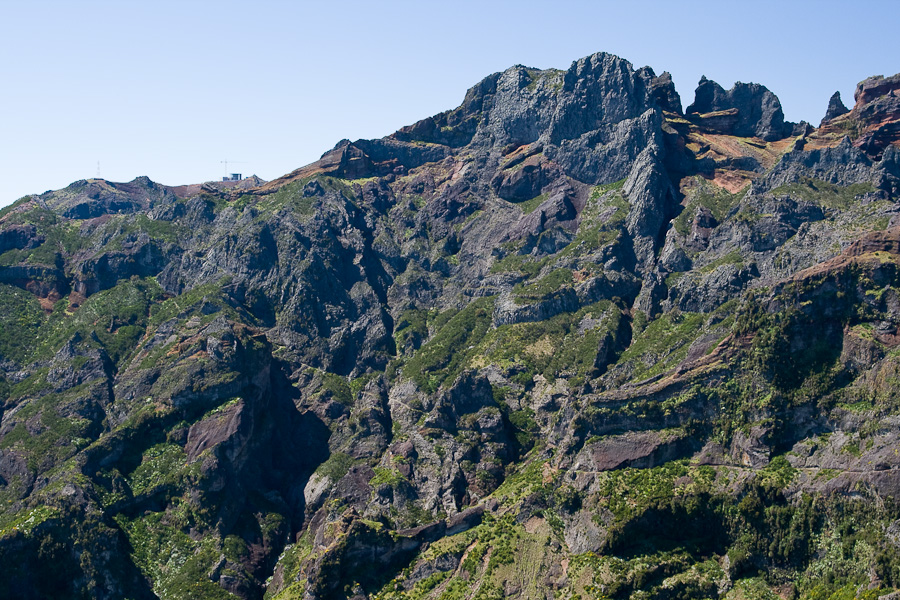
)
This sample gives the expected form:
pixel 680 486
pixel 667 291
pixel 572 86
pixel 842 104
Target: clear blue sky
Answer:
pixel 170 89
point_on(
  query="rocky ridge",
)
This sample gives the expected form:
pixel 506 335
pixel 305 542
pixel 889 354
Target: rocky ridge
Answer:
pixel 565 340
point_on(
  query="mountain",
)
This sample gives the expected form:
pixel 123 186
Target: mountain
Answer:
pixel 564 341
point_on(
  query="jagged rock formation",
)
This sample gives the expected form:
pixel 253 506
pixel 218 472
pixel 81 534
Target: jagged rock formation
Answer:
pixel 746 110
pixel 562 341
pixel 872 123
pixel 836 108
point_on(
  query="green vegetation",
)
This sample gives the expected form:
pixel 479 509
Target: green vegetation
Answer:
pixel 526 427
pixel 177 565
pixel 337 465
pixel 57 437
pixel 61 237
pixel 541 288
pixel 26 521
pixel 489 561
pixel 21 318
pixel 732 258
pixel 444 356
pixel 629 492
pixel 117 317
pixel 337 387
pixel 204 301
pixel 601 220
pixel 529 206
pixel 160 466
pixel 157 229
pixel 411 328
pixel 524 263
pixel 760 528
pixel 718 200
pixel 537 75
pixel 789 367
pixel 662 344
pixel 778 473
pixel 601 190
pixel 14 206
pixel 667 537
pixel 290 197
pixel 291 561
pixel 823 193
pixel 389 477
pixel 566 344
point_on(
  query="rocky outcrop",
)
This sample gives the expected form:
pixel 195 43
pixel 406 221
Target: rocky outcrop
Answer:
pixel 746 110
pixel 19 237
pixel 872 123
pixel 638 449
pixel 652 200
pixel 836 108
pixel 663 90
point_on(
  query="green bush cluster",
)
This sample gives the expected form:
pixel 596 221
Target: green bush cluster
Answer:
pixel 717 200
pixel 541 288
pixel 554 347
pixel 662 343
pixel 444 356
pixel 824 193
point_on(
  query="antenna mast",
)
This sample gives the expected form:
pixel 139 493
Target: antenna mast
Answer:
pixel 225 162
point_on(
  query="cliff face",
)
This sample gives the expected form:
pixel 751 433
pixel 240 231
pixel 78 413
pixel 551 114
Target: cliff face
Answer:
pixel 562 341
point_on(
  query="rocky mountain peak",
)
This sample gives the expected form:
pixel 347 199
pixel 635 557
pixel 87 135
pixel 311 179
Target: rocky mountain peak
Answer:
pixel 663 90
pixel 589 121
pixel 836 108
pixel 876 87
pixel 756 111
pixel 873 124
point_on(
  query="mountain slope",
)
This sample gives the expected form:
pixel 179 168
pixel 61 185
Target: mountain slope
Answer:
pixel 562 341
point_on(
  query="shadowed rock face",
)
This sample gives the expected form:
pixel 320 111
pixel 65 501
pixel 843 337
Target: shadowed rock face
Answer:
pixel 525 347
pixel 758 111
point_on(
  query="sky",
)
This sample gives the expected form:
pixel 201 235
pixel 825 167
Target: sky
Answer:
pixel 172 89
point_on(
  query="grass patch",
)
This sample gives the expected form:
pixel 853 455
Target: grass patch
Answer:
pixel 662 344
pixel 190 302
pixel 411 328
pixel 59 437
pixel 160 465
pixel 529 206
pixel 564 345
pixel 177 565
pixel 444 356
pixel 823 193
pixel 337 387
pixel 526 294
pixel 522 263
pixel 21 317
pixel 117 317
pixel 732 258
pixel 628 492
pixel 718 201
pixel 601 222
pixel 337 465
pixel 389 477
pixel 600 190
